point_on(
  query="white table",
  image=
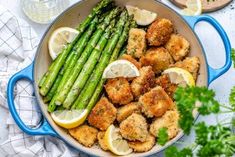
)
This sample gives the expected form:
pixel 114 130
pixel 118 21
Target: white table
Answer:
pixel 206 33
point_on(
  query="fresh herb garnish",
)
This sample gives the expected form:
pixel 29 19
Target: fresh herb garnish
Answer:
pixel 186 99
pixel 162 136
pixel 233 56
pixel 172 151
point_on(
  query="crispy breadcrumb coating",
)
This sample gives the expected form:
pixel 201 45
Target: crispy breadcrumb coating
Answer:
pixel 101 140
pixel 178 47
pixel 102 115
pixel 138 146
pixel 119 91
pixel 134 128
pixel 169 120
pixel 159 58
pixel 144 82
pixel 136 42
pixel 86 135
pixel 132 60
pixel 155 103
pixel 127 110
pixel 159 32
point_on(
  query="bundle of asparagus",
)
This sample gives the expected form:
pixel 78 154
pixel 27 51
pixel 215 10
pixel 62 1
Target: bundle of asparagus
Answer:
pixel 74 79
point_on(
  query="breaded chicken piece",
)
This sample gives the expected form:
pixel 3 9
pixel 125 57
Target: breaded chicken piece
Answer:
pixel 103 114
pixel 155 103
pixel 159 32
pixel 138 146
pixel 127 110
pixel 119 91
pixel 166 84
pixel 144 82
pixel 132 60
pixel 169 120
pixel 136 42
pixel 101 140
pixel 134 128
pixel 159 58
pixel 86 135
pixel 191 64
pixel 178 47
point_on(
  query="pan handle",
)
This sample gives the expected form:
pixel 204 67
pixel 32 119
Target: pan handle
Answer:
pixel 44 128
pixel 214 73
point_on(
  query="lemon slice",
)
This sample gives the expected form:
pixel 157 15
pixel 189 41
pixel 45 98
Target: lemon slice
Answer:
pixel 59 38
pixel 69 118
pixel 115 142
pixel 141 16
pixel 121 68
pixel 180 76
pixel 193 8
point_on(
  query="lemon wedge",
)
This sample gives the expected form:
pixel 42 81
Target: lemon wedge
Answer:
pixel 180 76
pixel 59 38
pixel 141 16
pixel 115 142
pixel 193 8
pixel 69 118
pixel 121 68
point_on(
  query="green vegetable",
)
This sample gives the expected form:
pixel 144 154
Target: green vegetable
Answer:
pixel 83 99
pixel 162 136
pixel 85 72
pixel 69 64
pixel 232 98
pixel 172 151
pixel 61 60
pixel 186 99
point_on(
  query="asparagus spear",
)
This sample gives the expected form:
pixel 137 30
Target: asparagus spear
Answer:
pixel 112 53
pixel 71 60
pixel 61 60
pixel 86 71
pixel 99 87
pixel 72 75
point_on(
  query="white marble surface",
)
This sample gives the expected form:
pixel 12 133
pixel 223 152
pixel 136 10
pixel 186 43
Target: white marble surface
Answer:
pixel 208 36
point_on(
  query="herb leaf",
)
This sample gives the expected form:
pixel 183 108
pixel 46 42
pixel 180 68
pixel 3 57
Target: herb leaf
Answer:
pixel 172 151
pixel 232 98
pixel 186 99
pixel 162 136
pixel 233 56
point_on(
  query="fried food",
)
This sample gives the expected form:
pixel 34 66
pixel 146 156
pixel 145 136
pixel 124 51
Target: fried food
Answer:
pixel 134 128
pixel 136 42
pixel 103 114
pixel 86 135
pixel 101 140
pixel 178 47
pixel 144 82
pixel 159 32
pixel 127 110
pixel 138 146
pixel 132 60
pixel 159 58
pixel 191 64
pixel 169 120
pixel 166 84
pixel 119 91
pixel 155 103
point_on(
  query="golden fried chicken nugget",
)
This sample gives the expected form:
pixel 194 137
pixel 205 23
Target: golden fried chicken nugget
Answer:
pixel 134 128
pixel 136 42
pixel 144 82
pixel 86 135
pixel 119 91
pixel 127 110
pixel 166 84
pixel 159 32
pixel 159 58
pixel 191 64
pixel 155 102
pixel 103 114
pixel 101 140
pixel 138 146
pixel 132 60
pixel 178 47
pixel 169 120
